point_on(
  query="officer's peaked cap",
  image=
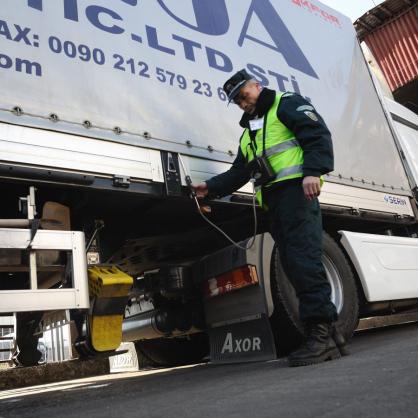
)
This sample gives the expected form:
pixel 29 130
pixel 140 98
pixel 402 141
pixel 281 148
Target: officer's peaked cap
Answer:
pixel 234 84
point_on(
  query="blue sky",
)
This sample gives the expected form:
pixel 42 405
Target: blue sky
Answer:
pixel 352 8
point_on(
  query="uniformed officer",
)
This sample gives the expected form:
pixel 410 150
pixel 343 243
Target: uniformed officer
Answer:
pixel 287 147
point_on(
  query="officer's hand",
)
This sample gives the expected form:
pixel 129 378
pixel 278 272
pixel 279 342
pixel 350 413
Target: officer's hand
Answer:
pixel 311 187
pixel 201 190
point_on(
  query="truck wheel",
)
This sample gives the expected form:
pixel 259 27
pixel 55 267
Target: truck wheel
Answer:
pixel 27 353
pixel 172 351
pixel 285 319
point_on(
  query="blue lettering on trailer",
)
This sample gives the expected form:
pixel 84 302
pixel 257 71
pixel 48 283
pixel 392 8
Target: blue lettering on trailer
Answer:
pixel 212 19
pixel 20 34
pixel 394 200
pixel 20 65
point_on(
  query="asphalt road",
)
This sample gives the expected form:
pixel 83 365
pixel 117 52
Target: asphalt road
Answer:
pixel 378 379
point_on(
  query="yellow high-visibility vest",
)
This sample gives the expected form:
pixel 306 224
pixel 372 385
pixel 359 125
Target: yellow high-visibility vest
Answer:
pixel 283 151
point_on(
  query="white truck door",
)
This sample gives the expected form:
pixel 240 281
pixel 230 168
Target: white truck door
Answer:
pixel 387 266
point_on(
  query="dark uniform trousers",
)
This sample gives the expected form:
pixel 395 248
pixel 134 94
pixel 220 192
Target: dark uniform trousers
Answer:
pixel 296 227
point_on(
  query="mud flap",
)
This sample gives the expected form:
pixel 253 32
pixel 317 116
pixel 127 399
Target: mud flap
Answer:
pixel 242 342
pixel 237 310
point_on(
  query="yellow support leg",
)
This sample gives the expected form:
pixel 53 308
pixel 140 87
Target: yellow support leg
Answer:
pixel 109 288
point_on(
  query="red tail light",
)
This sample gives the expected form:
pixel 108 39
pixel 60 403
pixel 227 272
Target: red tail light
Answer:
pixel 236 279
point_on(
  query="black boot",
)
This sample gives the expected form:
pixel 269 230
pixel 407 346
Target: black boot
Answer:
pixel 319 346
pixel 340 341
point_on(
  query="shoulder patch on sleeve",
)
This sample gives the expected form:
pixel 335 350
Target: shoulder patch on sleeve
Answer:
pixel 311 115
pixel 288 94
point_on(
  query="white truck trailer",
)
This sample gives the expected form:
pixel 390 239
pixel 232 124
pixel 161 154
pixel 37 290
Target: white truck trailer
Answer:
pixel 100 99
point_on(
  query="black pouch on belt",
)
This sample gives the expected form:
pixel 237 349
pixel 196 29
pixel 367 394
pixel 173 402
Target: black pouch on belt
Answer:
pixel 261 170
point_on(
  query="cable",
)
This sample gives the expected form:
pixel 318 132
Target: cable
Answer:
pixel 193 195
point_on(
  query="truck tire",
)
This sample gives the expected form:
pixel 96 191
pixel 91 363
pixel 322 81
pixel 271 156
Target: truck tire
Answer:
pixel 27 353
pixel 285 320
pixel 170 352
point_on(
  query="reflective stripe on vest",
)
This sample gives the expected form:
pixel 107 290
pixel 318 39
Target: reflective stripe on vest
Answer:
pixel 278 148
pixel 284 172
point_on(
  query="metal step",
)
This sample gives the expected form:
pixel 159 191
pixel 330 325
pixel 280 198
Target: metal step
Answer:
pixel 386 320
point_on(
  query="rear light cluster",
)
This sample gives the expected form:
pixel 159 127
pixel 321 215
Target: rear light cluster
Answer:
pixel 236 279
